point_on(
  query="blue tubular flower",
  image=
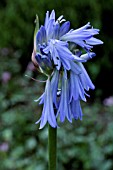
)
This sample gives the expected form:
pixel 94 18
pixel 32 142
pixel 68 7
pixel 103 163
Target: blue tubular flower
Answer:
pixel 85 79
pixel 48 110
pixel 76 109
pixel 56 55
pixel 80 83
pixel 54 87
pixel 83 37
pixel 64 107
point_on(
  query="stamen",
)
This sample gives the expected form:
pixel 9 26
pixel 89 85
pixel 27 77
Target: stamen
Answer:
pixel 36 79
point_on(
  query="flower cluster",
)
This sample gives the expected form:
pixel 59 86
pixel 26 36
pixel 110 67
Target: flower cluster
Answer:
pixel 59 53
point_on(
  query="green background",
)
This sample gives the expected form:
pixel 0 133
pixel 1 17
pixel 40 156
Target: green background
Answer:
pixel 82 145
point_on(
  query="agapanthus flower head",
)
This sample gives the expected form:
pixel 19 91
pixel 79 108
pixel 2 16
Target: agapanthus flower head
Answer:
pixel 59 53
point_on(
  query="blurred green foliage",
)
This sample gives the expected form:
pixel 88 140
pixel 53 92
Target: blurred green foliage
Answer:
pixel 85 145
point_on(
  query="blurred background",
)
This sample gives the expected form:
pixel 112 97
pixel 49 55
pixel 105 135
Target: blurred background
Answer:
pixel 83 145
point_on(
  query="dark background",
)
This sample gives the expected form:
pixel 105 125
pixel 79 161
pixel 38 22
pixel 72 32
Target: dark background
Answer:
pixel 88 145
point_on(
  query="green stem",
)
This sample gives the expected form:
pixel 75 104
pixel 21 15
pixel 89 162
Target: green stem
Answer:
pixel 52 145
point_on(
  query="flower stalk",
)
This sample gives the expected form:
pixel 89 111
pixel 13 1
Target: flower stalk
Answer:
pixel 52 147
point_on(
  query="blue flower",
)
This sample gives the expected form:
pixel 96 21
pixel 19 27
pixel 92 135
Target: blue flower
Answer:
pixel 48 110
pixel 59 53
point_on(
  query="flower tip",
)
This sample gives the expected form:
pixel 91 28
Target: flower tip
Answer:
pixel 36 100
pixel 93 87
pixel 101 42
pixel 53 11
pixel 37 19
pixel 37 121
pixel 52 15
pixel 93 54
pixel 40 128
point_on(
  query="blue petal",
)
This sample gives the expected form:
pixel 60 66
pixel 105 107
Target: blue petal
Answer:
pixel 44 62
pixel 43 34
pixel 82 92
pixel 54 55
pixel 52 15
pixel 83 44
pixel 83 27
pixel 85 79
pixel 73 36
pixel 75 67
pixel 88 55
pixel 38 38
pixel 41 99
pixel 92 31
pixel 46 49
pixel 66 64
pixel 65 53
pixel 94 41
pixel 54 87
pixel 49 29
pixel 76 88
pixel 56 59
pixel 56 31
pixel 64 107
pixel 64 28
pixel 82 34
pixel 48 110
pixel 76 109
pixel 59 49
pixel 43 119
pixel 46 19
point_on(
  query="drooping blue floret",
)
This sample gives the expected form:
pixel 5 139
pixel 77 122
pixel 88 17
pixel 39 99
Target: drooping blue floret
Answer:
pixel 48 110
pixel 64 107
pixel 60 52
